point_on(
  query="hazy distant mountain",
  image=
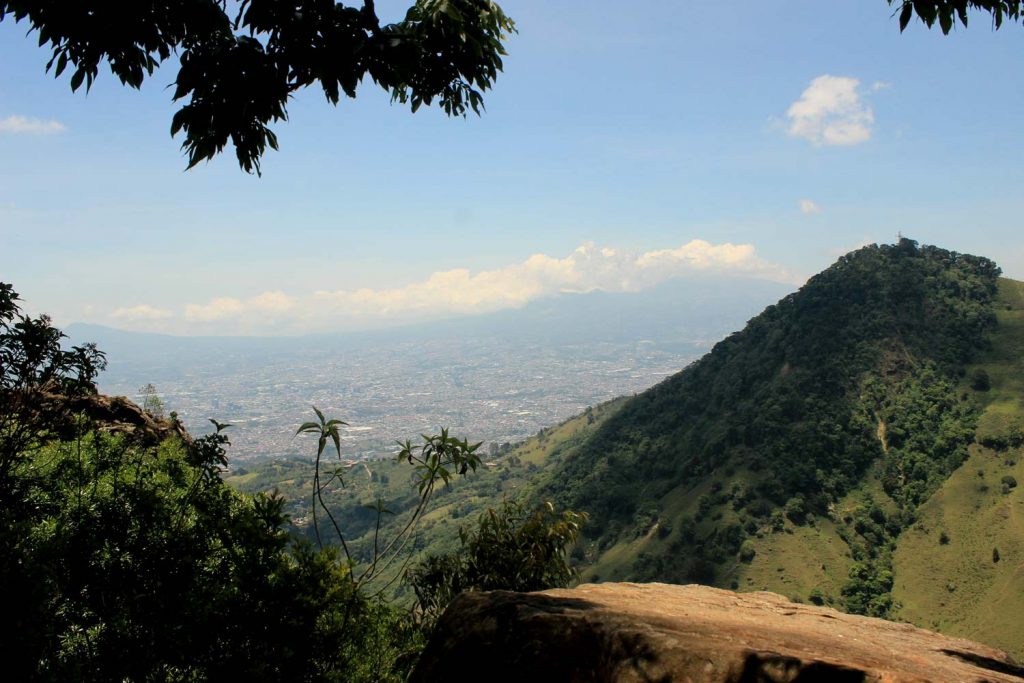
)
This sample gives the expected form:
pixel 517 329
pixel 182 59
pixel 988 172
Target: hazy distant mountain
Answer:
pixel 497 377
pixel 681 309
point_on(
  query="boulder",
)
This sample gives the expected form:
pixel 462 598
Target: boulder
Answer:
pixel 627 632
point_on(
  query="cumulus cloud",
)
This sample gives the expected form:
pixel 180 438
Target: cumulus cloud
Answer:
pixel 461 291
pixel 142 312
pixel 831 112
pixel 221 308
pixel 585 269
pixel 809 206
pixel 22 125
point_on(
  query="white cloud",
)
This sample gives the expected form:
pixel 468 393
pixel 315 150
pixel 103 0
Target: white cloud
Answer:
pixel 460 291
pixel 831 112
pixel 809 206
pixel 22 125
pixel 267 304
pixel 880 85
pixel 217 309
pixel 142 312
pixel 271 302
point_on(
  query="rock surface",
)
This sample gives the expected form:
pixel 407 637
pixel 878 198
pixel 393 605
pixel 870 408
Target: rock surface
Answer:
pixel 114 414
pixel 656 632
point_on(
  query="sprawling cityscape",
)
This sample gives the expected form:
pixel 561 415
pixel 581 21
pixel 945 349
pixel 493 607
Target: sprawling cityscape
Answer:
pixel 483 389
pixel 496 379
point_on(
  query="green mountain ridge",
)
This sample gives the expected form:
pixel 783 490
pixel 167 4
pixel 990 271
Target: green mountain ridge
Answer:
pixel 853 445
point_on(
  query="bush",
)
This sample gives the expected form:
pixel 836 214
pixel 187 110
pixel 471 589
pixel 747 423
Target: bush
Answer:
pixel 139 561
pixel 123 558
pixel 747 552
pixel 510 549
pixel 664 527
pixel 796 509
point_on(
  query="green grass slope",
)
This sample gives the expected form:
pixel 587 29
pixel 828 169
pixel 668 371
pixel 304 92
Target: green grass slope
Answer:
pixel 812 434
pixel 946 574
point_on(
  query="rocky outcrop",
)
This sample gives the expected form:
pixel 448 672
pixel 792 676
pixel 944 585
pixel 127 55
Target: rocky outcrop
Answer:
pixel 60 413
pixel 656 632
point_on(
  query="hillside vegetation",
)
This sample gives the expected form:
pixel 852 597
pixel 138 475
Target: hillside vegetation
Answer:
pixel 126 556
pixel 502 476
pixel 855 445
pixel 853 378
pixel 972 585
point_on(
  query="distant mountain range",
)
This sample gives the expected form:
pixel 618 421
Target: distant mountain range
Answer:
pixel 681 309
pixel 498 377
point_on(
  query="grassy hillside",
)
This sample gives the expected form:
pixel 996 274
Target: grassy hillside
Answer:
pixel 940 553
pixel 947 577
pixel 814 432
pixel 850 447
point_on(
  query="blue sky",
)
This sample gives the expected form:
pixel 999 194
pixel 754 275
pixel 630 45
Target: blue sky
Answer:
pixel 619 147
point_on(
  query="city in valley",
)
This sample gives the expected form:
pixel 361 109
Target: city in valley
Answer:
pixel 496 379
pixel 483 390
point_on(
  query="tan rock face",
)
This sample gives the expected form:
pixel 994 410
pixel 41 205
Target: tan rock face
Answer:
pixel 114 414
pixel 628 632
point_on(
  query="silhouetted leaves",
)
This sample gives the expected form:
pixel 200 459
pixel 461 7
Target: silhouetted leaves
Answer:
pixel 236 75
pixel 948 12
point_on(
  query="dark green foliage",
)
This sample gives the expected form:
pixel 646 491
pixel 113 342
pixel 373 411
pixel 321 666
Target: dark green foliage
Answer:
pixel 869 590
pixel 139 564
pixel 34 363
pixel 980 380
pixel 995 555
pixel 871 535
pixel 238 72
pixel 747 552
pixel 858 367
pixel 510 548
pixel 796 509
pixel 122 560
pixel 947 12
pixel 927 428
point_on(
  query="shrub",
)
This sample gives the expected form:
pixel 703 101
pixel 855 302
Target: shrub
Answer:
pixel 511 548
pixel 796 509
pixel 747 552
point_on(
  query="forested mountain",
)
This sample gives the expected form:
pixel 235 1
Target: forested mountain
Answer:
pixel 854 445
pixel 804 452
